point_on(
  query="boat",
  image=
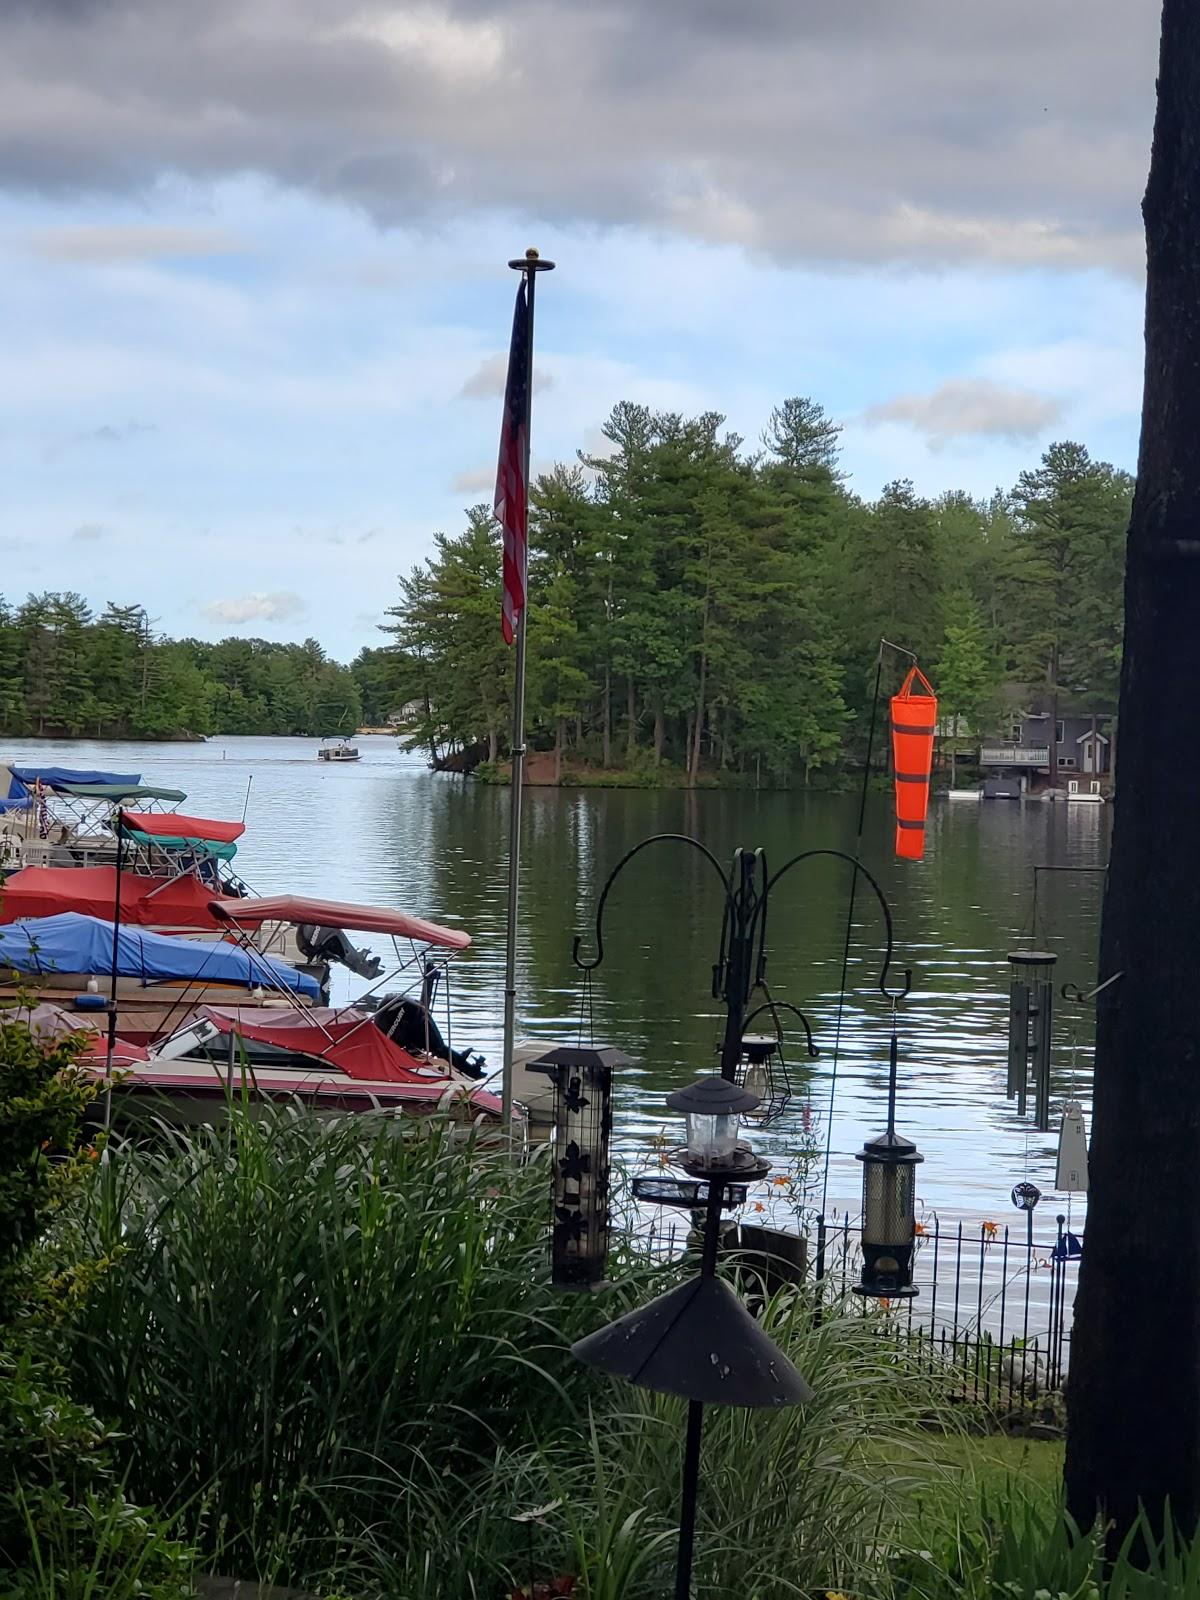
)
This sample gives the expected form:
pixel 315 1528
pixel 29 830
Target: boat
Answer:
pixel 338 750
pixel 63 816
pixel 339 1062
pixel 69 959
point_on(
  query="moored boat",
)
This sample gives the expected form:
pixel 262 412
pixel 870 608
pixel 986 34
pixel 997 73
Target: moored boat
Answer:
pixel 337 1062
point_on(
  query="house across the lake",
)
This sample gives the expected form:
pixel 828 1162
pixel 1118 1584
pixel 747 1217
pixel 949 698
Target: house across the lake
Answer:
pixel 1081 741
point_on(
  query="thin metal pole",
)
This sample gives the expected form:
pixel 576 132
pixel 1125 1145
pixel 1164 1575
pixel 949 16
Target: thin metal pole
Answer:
pixel 690 1489
pixel 530 268
pixel 112 977
pixel 687 1503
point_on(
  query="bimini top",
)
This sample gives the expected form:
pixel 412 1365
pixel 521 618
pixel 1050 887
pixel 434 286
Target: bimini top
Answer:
pixel 172 831
pixel 349 1041
pixel 23 779
pixel 71 942
pixel 56 777
pixel 298 908
pixel 181 902
pixel 117 792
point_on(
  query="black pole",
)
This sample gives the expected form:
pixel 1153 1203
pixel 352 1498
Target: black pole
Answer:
pixel 695 1422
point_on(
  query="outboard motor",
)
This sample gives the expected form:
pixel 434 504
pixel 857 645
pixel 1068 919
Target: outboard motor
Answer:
pixel 331 944
pixel 409 1024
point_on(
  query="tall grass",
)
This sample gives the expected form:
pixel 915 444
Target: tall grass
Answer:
pixel 337 1353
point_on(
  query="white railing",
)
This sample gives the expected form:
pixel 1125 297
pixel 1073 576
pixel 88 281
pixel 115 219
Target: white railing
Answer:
pixel 1014 755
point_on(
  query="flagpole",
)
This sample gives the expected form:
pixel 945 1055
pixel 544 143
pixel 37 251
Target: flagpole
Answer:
pixel 530 264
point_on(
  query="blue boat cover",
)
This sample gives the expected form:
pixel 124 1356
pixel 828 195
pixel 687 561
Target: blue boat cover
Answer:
pixel 71 942
pixel 51 776
pixel 24 778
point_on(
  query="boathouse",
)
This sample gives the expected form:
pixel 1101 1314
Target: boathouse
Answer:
pixel 1081 742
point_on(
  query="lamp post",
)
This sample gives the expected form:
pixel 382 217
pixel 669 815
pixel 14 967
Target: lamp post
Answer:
pixel 698 1341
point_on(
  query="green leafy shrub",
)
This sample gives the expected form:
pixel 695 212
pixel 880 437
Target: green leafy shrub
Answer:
pixel 66 1528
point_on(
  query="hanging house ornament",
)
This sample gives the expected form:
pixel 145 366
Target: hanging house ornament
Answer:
pixel 1071 1172
pixel 582 1080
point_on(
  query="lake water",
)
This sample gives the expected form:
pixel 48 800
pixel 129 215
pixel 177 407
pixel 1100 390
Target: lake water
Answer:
pixel 388 831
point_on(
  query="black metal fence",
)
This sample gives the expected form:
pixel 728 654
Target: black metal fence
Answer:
pixel 994 1308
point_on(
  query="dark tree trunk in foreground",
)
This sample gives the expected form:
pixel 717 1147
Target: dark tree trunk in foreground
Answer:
pixel 1134 1391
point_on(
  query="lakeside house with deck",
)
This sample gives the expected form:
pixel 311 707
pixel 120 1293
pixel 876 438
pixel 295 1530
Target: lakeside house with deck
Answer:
pixel 1082 746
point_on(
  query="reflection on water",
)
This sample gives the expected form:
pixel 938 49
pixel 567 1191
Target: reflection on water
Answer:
pixel 387 830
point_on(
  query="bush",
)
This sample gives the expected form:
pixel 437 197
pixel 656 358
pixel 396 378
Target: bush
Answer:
pixel 66 1529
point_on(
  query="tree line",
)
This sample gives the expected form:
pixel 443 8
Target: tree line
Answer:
pixel 65 671
pixel 713 607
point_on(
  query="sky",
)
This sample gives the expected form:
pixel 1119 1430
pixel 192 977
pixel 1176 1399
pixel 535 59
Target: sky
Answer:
pixel 256 301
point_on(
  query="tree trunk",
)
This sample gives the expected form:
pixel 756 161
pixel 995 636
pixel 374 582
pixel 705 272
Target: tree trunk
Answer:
pixel 606 719
pixel 698 731
pixel 493 744
pixel 1134 1393
pixel 631 721
pixel 1054 717
pixel 659 733
pixel 558 748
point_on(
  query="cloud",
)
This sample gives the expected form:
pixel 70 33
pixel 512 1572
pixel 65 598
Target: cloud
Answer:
pixel 863 133
pixel 131 242
pixel 970 408
pixel 488 380
pixel 475 480
pixel 113 432
pixel 280 607
pixel 90 530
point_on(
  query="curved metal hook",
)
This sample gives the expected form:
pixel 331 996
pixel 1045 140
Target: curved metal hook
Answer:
pixel 656 838
pixel 775 1007
pixel 840 855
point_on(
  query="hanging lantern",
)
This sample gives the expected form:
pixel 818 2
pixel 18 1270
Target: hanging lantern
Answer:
pixel 1030 1010
pixel 714 1108
pixel 914 724
pixel 582 1079
pixel 761 1064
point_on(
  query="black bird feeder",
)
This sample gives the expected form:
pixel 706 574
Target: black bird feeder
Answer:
pixel 889 1205
pixel 582 1078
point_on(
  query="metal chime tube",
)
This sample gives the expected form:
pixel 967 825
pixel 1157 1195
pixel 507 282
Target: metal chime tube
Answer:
pixel 1030 1013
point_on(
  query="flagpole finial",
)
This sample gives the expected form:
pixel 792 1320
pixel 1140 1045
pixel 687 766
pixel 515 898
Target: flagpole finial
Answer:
pixel 531 261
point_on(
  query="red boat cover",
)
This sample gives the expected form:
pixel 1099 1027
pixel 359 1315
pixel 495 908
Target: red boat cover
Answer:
pixel 173 825
pixel 338 914
pixel 182 902
pixel 347 1039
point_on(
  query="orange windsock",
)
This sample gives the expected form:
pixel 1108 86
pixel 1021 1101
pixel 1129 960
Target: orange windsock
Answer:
pixel 914 720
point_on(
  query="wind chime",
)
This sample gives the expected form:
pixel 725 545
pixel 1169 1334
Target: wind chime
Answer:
pixel 1030 1012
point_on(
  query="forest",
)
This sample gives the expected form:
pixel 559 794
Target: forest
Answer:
pixel 703 608
pixel 699 610
pixel 67 672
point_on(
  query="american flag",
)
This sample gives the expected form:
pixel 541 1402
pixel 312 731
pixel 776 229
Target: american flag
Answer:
pixel 512 485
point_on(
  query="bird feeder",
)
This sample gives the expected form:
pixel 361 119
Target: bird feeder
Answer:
pixel 714 1109
pixel 582 1079
pixel 1030 1009
pixel 889 1206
